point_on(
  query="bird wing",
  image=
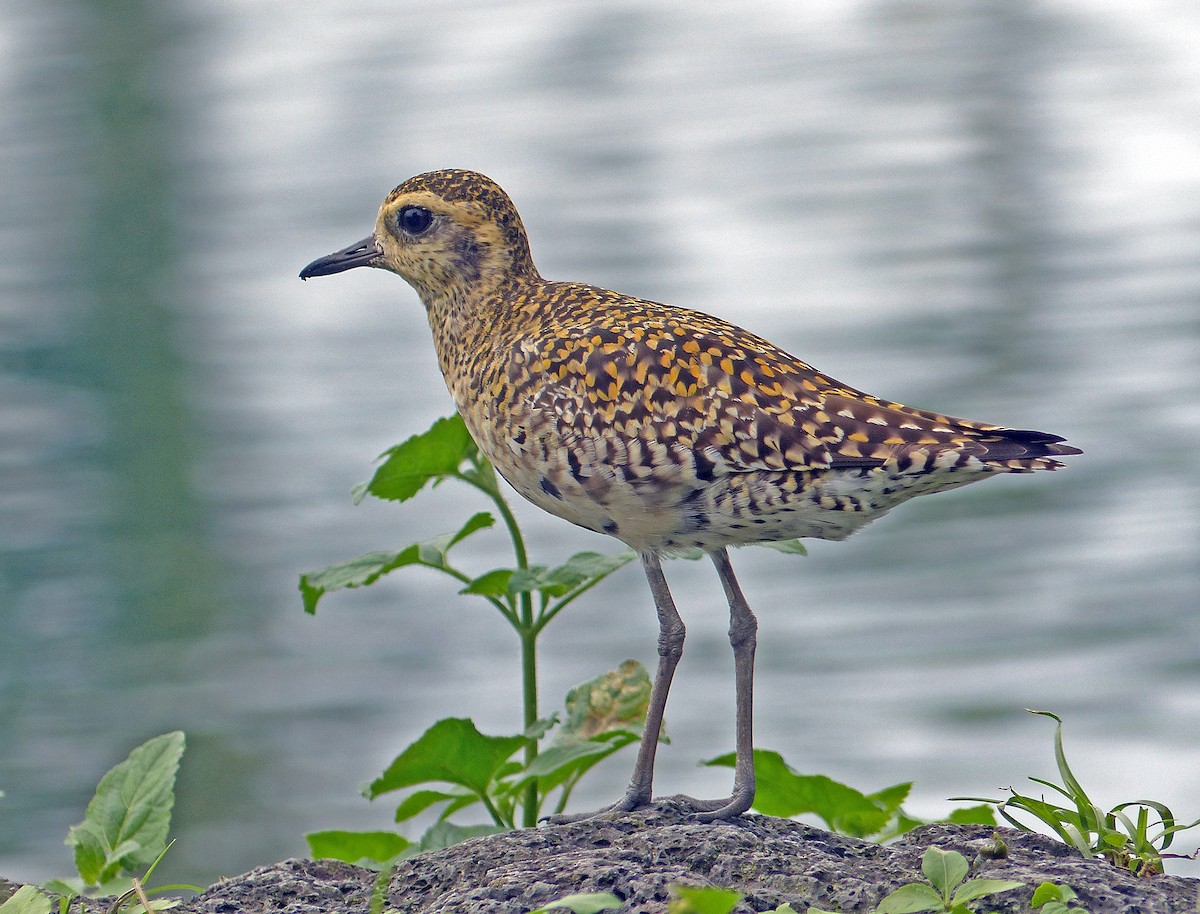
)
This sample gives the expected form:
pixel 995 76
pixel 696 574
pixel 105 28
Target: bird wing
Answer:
pixel 732 402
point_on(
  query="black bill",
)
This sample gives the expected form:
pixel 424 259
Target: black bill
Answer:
pixel 361 254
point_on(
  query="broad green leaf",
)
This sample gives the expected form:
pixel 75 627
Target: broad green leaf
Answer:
pixel 555 765
pixel 541 727
pixel 691 899
pixel 551 760
pixel 446 834
pixel 908 899
pixel 491 583
pixel 1049 891
pixel 787 547
pixel 581 568
pixel 91 855
pixel 367 569
pixel 582 903
pixel 452 751
pixel 126 823
pixel 979 888
pixel 359 572
pixel 423 458
pixel 418 801
pixel 356 846
pixel 972 815
pixel 67 887
pixel 26 900
pixel 944 869
pixel 475 523
pixel 616 700
pixel 784 793
pixel 890 798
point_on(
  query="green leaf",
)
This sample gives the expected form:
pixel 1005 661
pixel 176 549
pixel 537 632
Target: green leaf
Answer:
pixel 690 899
pixel 787 547
pixel 944 869
pixel 418 801
pixel 476 522
pixel 367 569
pixel 491 584
pixel 126 823
pixel 556 764
pixel 1049 891
pixel 581 568
pixel 979 888
pixel 356 846
pixel 582 903
pixel 424 458
pixel 67 887
pixel 616 700
pixel 784 793
pixel 26 900
pixel 890 798
pixel 446 834
pixel 453 751
pixel 972 815
pixel 908 899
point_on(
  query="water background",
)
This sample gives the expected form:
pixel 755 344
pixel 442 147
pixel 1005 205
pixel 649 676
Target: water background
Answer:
pixel 989 208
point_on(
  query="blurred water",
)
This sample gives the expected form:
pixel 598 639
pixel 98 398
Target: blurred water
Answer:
pixel 991 209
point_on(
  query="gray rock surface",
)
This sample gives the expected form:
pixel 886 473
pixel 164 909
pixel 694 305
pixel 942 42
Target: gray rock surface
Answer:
pixel 639 856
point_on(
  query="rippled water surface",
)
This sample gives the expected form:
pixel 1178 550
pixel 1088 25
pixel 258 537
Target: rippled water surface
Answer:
pixel 990 209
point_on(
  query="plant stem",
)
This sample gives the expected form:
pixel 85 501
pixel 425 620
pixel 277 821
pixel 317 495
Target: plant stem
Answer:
pixel 526 629
pixel 529 690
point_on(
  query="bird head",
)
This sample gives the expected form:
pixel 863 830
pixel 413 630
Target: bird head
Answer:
pixel 443 232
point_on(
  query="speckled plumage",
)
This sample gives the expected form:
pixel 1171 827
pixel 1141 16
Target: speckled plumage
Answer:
pixel 663 427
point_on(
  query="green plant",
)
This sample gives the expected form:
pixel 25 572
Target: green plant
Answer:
pixel 785 793
pixel 948 888
pixel 1124 835
pixel 583 903
pixel 457 766
pixel 478 768
pixel 124 832
pixel 703 899
pixel 1055 898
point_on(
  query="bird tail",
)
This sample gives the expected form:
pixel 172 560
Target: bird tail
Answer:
pixel 1020 450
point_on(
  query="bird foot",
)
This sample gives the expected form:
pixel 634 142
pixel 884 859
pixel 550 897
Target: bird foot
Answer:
pixel 615 810
pixel 700 810
pixel 714 810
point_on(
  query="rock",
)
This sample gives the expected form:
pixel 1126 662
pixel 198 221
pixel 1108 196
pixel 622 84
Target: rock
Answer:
pixel 639 856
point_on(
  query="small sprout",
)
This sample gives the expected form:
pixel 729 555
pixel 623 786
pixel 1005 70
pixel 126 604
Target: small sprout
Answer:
pixel 1056 899
pixel 582 903
pixel 993 848
pixel 946 891
pixel 1125 835
pixel 691 899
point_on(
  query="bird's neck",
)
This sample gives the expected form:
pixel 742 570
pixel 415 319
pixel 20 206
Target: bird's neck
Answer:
pixel 471 323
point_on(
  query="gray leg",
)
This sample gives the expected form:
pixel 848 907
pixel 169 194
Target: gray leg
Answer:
pixel 743 628
pixel 670 648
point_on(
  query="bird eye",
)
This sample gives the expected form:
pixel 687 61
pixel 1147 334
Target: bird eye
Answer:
pixel 413 220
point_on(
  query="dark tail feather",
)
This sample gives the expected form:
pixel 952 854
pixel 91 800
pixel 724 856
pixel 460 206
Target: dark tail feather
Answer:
pixel 1004 444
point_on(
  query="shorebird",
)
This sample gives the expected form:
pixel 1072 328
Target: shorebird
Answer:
pixel 663 427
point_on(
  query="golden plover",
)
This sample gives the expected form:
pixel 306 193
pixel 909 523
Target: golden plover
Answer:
pixel 663 427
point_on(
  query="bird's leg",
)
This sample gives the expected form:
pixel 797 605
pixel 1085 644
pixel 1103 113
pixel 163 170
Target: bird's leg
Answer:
pixel 743 629
pixel 671 633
